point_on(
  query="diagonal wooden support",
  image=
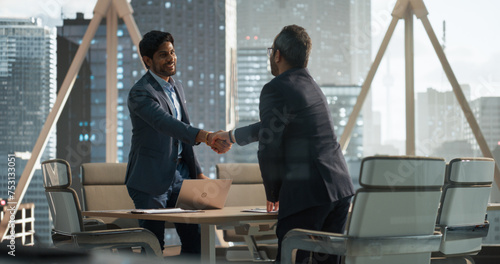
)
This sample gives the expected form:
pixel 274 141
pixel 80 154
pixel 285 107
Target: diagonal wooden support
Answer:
pixel 119 7
pixel 459 94
pixel 125 12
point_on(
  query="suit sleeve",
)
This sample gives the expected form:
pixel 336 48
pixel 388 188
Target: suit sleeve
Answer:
pixel 248 134
pixel 146 106
pixel 273 123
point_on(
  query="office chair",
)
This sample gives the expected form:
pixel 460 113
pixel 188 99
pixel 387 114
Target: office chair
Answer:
pixel 68 225
pixel 464 202
pixel 393 215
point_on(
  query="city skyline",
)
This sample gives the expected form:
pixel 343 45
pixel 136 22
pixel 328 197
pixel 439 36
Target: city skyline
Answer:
pixel 472 50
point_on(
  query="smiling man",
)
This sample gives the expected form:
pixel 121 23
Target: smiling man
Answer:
pixel 161 155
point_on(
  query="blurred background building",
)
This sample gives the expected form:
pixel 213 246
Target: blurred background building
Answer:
pixel 340 57
pixel 28 91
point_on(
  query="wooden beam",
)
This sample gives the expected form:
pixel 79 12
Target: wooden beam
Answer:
pixel 457 90
pixel 111 85
pixel 410 83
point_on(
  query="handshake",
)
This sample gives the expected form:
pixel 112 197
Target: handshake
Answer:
pixel 220 141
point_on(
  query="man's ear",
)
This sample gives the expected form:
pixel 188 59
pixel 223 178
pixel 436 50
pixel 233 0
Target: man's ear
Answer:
pixel 277 56
pixel 148 61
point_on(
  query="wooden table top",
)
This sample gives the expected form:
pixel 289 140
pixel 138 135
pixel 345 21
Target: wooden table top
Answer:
pixel 213 216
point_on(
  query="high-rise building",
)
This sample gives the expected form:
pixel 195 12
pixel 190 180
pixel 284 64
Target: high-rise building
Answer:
pixel 440 121
pixel 28 85
pixel 339 31
pixel 205 43
pixel 340 55
pixel 361 43
pixel 253 74
pixel 85 130
pixel 74 122
pixel 487 113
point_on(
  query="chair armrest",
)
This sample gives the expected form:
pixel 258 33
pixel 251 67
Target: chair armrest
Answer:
pixel 339 244
pixel 93 221
pixel 119 238
pixel 91 224
pixel 451 233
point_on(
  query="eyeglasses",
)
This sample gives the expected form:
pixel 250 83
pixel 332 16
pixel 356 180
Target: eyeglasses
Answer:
pixel 269 52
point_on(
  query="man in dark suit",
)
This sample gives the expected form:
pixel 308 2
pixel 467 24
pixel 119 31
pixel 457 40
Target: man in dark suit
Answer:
pixel 302 165
pixel 161 155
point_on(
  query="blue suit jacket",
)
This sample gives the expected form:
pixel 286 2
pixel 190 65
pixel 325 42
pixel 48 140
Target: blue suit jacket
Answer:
pixel 300 159
pixel 155 134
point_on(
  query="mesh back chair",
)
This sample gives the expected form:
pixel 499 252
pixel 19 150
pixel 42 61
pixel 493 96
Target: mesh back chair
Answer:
pixel 463 208
pixel 393 215
pixel 68 223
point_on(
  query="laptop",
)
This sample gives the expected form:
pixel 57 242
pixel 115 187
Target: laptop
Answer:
pixel 203 194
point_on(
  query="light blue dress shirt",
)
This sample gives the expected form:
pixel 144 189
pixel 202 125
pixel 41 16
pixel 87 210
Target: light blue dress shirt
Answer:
pixel 168 88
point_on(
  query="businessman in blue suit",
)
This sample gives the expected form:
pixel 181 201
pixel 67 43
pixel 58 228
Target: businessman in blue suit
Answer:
pixel 161 155
pixel 301 162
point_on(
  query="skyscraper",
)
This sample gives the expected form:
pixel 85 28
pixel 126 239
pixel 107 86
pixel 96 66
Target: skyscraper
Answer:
pixel 253 74
pixel 441 125
pixel 88 122
pixel 75 119
pixel 205 43
pixel 487 113
pixel 28 85
pixel 337 30
pixel 340 55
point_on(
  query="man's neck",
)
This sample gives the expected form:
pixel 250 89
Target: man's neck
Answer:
pixel 166 78
pixel 283 67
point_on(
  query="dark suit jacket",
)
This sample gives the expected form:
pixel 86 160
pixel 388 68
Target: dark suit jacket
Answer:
pixel 300 159
pixel 155 134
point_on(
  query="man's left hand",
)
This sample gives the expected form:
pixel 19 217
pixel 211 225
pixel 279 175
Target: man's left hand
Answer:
pixel 273 206
pixel 202 176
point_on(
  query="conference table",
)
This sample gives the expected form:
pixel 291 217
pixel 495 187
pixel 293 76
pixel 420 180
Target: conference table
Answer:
pixel 207 219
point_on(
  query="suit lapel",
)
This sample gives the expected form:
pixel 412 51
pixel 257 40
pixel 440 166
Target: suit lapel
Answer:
pixel 159 91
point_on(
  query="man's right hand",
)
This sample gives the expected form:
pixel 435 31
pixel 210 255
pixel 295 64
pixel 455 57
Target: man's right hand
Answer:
pixel 218 142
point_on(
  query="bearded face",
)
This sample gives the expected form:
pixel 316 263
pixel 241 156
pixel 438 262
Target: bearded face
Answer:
pixel 164 61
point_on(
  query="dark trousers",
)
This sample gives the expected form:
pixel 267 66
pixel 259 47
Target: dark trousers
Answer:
pixel 189 234
pixel 330 218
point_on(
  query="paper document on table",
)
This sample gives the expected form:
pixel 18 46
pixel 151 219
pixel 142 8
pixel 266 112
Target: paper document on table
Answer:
pixel 258 210
pixel 163 211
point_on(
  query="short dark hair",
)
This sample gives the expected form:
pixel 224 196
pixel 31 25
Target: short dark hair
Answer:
pixel 152 41
pixel 294 45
